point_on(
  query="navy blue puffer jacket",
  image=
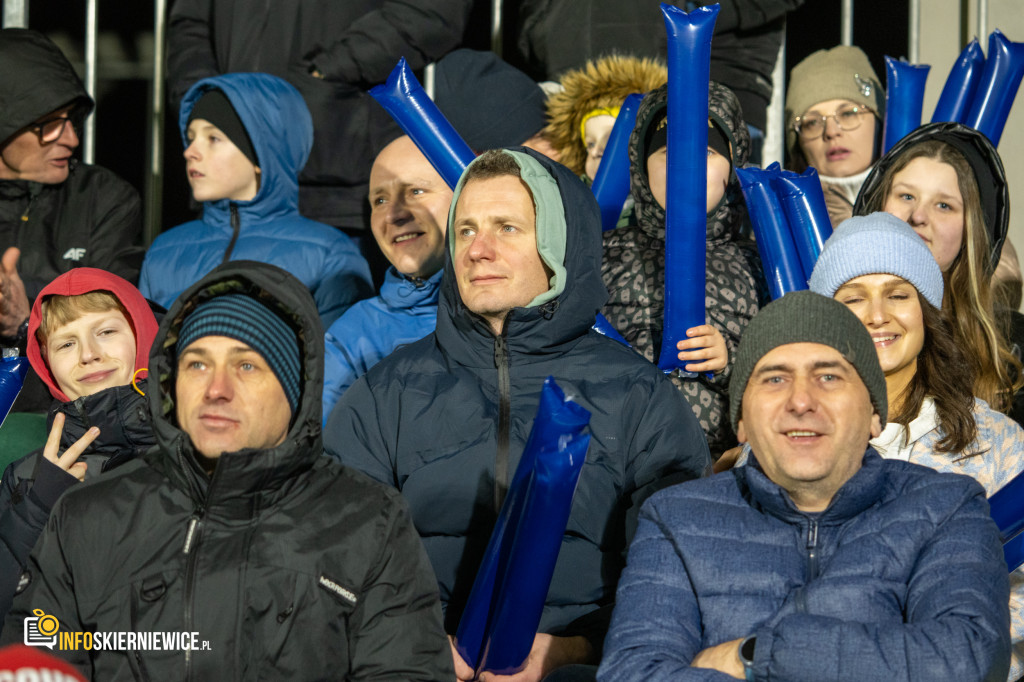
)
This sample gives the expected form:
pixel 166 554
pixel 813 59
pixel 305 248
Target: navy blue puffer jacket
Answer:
pixel 902 577
pixel 435 417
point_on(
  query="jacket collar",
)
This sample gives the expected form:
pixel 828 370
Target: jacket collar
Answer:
pixel 863 490
pixel 399 291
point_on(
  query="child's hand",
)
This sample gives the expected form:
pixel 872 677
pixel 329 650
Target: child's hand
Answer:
pixel 708 346
pixel 69 460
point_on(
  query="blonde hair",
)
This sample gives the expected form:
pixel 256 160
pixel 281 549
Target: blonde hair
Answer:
pixel 968 299
pixel 58 311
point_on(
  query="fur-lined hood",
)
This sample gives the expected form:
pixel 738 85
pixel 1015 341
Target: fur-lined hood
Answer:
pixel 602 83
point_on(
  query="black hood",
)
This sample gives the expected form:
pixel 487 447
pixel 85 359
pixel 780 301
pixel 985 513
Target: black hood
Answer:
pixel 249 471
pixel 981 156
pixel 35 80
pixel 724 111
pixel 550 326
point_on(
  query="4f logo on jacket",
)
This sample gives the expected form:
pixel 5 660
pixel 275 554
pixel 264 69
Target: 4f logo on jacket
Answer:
pixel 74 253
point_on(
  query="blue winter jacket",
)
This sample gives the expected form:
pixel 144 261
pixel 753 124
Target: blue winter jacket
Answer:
pixel 901 578
pixel 267 228
pixel 405 311
pixel 445 420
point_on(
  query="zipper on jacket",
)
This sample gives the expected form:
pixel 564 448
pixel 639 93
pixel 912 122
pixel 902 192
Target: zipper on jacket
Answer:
pixel 236 226
pixel 812 550
pixel 193 537
pixel 501 361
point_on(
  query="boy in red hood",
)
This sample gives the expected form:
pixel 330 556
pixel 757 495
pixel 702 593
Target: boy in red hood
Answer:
pixel 89 334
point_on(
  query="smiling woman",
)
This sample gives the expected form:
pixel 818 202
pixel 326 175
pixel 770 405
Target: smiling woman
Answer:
pixel 879 268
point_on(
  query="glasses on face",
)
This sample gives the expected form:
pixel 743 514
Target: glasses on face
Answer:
pixel 51 129
pixel 847 117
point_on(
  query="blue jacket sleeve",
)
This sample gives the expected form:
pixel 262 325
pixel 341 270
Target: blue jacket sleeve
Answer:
pixel 346 279
pixel 655 631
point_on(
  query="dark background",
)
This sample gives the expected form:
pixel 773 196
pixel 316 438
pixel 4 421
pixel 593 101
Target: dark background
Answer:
pixel 880 28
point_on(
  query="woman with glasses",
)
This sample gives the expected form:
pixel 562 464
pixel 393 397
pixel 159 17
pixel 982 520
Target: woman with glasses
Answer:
pixel 947 181
pixel 834 110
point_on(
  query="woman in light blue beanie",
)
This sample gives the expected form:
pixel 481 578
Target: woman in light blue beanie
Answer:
pixel 878 267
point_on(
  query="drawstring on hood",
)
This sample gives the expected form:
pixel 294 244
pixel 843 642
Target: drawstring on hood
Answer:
pixel 82 281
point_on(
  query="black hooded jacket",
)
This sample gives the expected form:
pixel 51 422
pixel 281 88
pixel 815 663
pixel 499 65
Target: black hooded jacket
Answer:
pixel 91 219
pixel 634 264
pixel 438 418
pixel 289 565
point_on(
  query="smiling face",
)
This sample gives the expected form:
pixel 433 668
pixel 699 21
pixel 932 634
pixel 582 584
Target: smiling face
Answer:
pixel 596 132
pixel 91 353
pixel 26 157
pixel 927 195
pixel 718 176
pixel 496 262
pixel 216 168
pixel 808 417
pixel 409 204
pixel 836 152
pixel 891 310
pixel 227 398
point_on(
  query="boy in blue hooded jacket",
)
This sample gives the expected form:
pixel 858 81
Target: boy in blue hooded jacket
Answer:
pixel 247 136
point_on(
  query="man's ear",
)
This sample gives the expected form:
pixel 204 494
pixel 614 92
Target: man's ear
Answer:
pixel 741 434
pixel 876 425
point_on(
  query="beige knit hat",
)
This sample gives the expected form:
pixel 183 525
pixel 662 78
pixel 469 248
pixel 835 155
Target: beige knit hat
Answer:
pixel 843 72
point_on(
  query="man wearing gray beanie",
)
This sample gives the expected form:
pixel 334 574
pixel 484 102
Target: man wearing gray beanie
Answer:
pixel 817 559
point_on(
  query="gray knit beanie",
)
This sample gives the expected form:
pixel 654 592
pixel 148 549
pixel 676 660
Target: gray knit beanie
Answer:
pixel 878 243
pixel 843 72
pixel 807 317
pixel 242 317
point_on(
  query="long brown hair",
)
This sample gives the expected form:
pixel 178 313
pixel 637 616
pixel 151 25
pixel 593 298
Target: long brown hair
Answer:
pixel 942 373
pixel 968 299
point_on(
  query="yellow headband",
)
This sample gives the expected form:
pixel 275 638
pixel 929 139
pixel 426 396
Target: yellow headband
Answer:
pixel 601 111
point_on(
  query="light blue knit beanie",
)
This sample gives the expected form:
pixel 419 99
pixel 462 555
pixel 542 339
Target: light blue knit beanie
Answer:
pixel 879 243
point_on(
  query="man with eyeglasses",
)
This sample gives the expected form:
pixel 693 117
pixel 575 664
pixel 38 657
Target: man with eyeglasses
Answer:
pixel 55 213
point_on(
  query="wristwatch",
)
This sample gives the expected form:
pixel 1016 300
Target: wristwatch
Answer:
pixel 20 337
pixel 746 654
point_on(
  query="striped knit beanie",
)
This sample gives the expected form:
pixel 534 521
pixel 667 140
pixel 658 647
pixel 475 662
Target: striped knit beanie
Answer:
pixel 245 319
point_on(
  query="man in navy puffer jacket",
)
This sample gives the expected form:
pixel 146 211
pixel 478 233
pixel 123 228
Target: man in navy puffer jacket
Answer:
pixel 818 560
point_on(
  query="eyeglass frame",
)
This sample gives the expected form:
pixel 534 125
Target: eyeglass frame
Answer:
pixel 860 109
pixel 73 116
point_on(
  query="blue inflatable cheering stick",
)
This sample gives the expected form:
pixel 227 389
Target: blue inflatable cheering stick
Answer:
pixel 961 84
pixel 998 88
pixel 904 99
pixel 404 98
pixel 689 75
pixel 803 202
pixel 500 620
pixel 782 266
pixel 12 377
pixel 611 184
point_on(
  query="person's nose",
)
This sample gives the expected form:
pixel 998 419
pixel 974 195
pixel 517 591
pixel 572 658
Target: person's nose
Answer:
pixel 801 396
pixel 482 246
pixel 832 129
pixel 220 385
pixel 90 350
pixel 191 152
pixel 69 136
pixel 398 212
pixel 877 311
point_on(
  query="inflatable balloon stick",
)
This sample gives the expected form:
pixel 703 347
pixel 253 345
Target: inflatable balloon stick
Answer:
pixel 611 184
pixel 782 266
pixel 961 84
pixel 689 69
pixel 12 376
pixel 603 326
pixel 1007 509
pixel 404 98
pixel 803 203
pixel 1000 80
pixel 500 620
pixel 904 99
